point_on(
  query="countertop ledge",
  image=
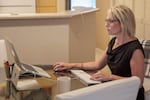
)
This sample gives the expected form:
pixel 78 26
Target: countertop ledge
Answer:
pixel 65 14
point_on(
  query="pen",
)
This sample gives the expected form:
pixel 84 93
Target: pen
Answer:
pixel 7 69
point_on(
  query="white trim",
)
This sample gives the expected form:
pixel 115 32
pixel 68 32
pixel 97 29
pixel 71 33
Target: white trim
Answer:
pixel 61 5
pixel 146 21
pixel 98 50
pixel 111 3
pixel 139 20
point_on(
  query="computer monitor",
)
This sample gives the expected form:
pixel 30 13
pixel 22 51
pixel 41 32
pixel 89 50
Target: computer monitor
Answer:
pixel 12 54
pixel 25 69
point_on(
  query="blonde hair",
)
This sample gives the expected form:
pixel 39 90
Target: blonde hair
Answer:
pixel 126 18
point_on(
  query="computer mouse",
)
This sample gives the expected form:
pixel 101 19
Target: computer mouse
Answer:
pixel 56 69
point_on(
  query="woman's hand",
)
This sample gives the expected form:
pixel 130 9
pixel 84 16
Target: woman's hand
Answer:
pixel 99 76
pixel 61 66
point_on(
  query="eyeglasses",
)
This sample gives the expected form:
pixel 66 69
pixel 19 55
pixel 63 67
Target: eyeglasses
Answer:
pixel 111 20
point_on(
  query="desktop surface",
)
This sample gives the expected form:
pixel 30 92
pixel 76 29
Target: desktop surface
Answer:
pixel 51 83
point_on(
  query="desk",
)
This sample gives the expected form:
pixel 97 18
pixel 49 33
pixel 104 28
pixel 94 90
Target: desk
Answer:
pixel 17 93
pixel 65 36
pixel 49 85
pixel 75 82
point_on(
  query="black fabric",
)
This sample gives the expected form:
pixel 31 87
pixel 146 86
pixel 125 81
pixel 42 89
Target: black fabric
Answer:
pixel 118 59
pixel 140 95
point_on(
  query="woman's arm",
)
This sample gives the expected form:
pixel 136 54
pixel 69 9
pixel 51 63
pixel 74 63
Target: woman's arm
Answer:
pixel 137 69
pixel 137 65
pixel 94 65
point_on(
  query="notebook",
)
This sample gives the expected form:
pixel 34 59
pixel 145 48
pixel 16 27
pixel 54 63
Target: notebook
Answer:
pixel 26 69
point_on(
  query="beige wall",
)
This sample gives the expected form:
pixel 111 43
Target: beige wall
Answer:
pixel 102 36
pixel 142 15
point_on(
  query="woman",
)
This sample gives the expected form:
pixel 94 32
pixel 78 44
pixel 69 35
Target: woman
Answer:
pixel 124 54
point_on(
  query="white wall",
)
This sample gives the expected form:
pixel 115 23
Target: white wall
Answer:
pixel 17 6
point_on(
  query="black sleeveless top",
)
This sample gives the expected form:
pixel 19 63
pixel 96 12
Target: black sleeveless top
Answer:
pixel 118 60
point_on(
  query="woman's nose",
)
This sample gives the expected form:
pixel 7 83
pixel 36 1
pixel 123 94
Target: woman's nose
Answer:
pixel 106 24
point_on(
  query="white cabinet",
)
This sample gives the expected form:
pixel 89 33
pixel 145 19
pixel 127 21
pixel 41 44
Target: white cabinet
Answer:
pixel 52 37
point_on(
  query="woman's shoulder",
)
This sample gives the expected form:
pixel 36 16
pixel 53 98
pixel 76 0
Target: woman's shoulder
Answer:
pixel 135 45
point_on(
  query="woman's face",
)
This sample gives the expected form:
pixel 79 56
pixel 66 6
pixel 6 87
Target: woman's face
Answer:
pixel 113 25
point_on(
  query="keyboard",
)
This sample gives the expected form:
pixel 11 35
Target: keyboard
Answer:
pixel 27 67
pixel 45 67
pixel 84 76
pixel 33 71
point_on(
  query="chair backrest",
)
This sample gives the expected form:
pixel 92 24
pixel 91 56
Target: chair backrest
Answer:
pixel 146 47
pixel 122 89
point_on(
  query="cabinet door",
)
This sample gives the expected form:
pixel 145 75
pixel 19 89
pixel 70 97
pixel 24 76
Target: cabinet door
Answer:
pixel 17 6
pixel 46 9
pixel 46 6
pixel 46 2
